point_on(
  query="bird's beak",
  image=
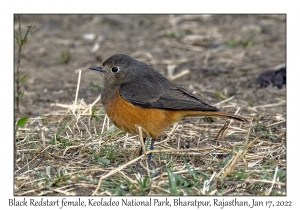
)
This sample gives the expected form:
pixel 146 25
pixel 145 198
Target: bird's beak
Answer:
pixel 97 68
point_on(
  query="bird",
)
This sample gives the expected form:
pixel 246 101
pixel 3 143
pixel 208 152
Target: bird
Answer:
pixel 135 94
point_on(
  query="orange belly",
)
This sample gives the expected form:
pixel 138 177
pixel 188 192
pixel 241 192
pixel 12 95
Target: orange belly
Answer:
pixel 127 117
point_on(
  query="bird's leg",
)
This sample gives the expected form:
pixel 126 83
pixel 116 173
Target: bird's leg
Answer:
pixel 141 151
pixel 151 148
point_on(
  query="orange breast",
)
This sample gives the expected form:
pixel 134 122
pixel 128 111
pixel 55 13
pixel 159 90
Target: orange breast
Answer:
pixel 127 117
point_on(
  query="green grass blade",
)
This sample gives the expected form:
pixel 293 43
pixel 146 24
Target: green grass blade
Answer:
pixel 172 183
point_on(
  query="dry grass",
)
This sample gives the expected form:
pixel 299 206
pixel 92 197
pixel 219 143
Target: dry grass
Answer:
pixel 78 152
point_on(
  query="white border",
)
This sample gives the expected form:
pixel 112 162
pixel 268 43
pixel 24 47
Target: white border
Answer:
pixel 158 7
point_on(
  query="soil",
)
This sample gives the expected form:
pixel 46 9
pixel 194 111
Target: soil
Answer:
pixel 224 53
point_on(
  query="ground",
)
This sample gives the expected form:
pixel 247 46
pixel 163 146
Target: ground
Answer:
pixel 62 153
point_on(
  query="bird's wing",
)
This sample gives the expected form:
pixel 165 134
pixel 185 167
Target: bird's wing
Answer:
pixel 162 96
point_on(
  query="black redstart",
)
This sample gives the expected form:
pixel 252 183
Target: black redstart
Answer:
pixel 135 94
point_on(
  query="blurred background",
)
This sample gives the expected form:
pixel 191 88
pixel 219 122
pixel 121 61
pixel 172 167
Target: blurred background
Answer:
pixel 224 55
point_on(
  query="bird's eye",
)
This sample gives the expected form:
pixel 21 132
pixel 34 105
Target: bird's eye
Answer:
pixel 115 69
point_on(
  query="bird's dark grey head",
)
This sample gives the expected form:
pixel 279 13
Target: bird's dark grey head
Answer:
pixel 119 69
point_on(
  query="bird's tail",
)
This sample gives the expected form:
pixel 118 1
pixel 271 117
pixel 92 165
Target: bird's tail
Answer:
pixel 217 114
pixel 235 117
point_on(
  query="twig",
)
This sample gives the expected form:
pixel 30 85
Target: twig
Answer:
pixel 70 147
pixel 273 182
pixel 78 85
pixel 181 74
pixel 249 131
pixel 276 123
pixel 143 147
pixel 221 102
